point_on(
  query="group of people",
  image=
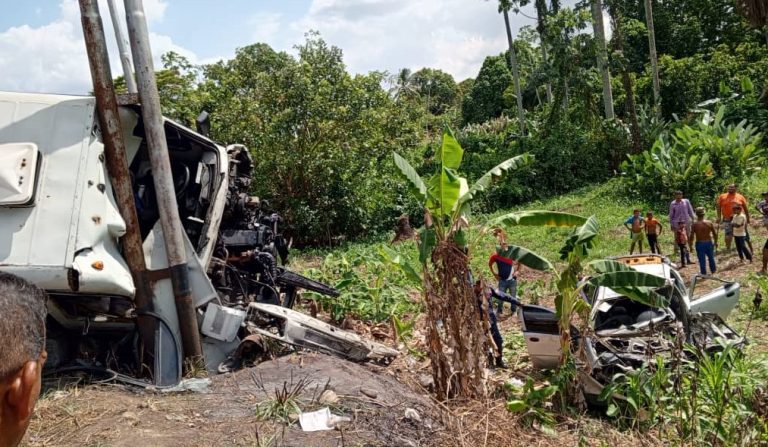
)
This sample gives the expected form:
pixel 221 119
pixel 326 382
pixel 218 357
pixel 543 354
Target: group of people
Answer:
pixel 692 229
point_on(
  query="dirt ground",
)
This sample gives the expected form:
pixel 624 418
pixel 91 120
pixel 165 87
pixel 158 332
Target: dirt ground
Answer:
pixel 226 415
pixel 375 398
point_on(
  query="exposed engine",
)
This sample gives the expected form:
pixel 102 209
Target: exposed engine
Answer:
pixel 250 249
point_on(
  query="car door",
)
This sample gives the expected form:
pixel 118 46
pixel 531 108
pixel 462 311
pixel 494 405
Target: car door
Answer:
pixel 542 335
pixel 714 295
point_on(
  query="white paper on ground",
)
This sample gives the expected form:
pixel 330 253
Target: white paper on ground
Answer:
pixel 316 420
pixel 321 419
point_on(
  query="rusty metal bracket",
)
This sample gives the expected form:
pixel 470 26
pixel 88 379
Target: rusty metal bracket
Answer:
pixel 157 275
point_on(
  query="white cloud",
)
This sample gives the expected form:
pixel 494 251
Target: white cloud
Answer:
pixel 52 58
pixel 453 35
pixel 266 26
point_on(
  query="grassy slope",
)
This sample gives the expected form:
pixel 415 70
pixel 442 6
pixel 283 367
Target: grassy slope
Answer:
pixel 611 209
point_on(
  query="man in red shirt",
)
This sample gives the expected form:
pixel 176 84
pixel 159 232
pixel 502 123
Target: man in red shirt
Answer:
pixel 724 208
pixel 506 273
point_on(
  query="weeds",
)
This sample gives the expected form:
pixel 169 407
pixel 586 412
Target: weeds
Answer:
pixel 712 399
pixel 372 286
pixel 533 404
pixel 282 404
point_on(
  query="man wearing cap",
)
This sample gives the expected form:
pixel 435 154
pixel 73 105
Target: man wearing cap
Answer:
pixel 724 208
pixel 705 236
pixel 681 211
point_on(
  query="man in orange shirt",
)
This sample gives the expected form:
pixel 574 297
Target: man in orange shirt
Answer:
pixel 724 208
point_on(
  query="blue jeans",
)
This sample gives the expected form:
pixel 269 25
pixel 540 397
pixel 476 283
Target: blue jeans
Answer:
pixel 706 250
pixel 507 286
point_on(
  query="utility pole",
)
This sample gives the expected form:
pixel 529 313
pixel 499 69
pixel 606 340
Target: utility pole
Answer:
pixel 154 128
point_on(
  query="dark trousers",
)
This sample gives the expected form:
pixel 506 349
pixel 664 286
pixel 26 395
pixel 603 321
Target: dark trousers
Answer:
pixel 742 249
pixel 495 333
pixel 705 250
pixel 653 243
pixel 685 255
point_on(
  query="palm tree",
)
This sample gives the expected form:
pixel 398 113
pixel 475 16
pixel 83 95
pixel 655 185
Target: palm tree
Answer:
pixel 654 59
pixel 403 84
pixel 602 58
pixel 504 6
pixel 541 15
pixel 626 78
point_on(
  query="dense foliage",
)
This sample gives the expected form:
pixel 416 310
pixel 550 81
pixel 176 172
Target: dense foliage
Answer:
pixel 697 158
pixel 320 136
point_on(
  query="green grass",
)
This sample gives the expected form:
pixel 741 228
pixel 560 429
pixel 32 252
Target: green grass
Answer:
pixel 605 201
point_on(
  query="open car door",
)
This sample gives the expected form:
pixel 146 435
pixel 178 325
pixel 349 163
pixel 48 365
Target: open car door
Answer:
pixel 542 336
pixel 714 295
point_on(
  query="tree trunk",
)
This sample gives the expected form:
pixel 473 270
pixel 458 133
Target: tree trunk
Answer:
pixel 626 80
pixel 654 58
pixel 541 14
pixel 457 325
pixel 602 58
pixel 403 230
pixel 515 74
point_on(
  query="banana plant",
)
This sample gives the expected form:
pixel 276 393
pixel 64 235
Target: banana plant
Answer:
pixel 447 196
pixel 455 337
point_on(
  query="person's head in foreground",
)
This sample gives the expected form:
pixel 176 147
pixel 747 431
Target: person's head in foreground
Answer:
pixel 700 212
pixel 22 354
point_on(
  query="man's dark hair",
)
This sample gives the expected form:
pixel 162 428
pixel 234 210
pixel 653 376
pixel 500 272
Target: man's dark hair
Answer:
pixel 22 323
pixel 678 193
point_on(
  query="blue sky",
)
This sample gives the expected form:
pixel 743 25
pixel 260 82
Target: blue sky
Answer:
pixel 41 47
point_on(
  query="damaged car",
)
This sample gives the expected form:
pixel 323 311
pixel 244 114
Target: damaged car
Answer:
pixel 623 334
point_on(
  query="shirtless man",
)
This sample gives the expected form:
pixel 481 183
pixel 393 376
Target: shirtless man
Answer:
pixel 705 235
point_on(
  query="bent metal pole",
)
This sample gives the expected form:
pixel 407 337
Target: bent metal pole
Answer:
pixel 115 154
pixel 163 179
pixel 125 56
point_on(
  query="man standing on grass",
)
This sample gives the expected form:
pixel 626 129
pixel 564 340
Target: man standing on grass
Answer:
pixel 22 355
pixel 505 273
pixel 724 208
pixel 681 211
pixel 635 224
pixel 653 230
pixel 704 233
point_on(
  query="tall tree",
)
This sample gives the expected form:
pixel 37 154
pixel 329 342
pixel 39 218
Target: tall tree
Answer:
pixel 626 77
pixel 504 6
pixel 654 59
pixel 602 58
pixel 541 17
pixel 485 99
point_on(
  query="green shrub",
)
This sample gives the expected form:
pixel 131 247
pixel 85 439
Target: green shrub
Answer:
pixel 697 159
pixel 373 286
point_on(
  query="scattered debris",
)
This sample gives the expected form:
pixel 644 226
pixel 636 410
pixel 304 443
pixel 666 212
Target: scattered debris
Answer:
pixel 412 415
pixel 328 398
pixel 196 385
pixel 321 419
